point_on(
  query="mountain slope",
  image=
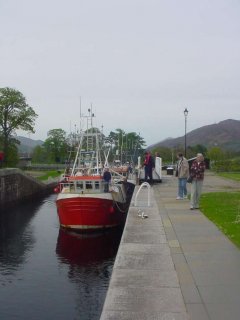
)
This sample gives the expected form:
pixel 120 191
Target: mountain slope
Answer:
pixel 27 144
pixel 225 134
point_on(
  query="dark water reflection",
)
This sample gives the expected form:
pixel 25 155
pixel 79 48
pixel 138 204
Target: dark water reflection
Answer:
pixel 49 273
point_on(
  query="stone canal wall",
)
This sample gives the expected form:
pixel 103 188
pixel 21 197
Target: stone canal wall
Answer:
pixel 16 186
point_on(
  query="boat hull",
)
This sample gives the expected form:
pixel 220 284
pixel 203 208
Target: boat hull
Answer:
pixel 90 213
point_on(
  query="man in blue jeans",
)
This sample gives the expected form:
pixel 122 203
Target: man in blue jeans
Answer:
pixel 182 174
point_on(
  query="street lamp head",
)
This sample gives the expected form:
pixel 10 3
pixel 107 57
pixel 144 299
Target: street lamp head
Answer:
pixel 185 112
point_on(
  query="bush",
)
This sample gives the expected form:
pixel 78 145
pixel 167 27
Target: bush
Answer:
pixel 226 165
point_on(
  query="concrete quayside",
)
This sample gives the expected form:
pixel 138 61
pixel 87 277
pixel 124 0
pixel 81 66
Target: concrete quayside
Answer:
pixel 172 262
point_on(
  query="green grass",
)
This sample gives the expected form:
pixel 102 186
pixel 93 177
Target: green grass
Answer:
pixel 43 175
pixel 230 175
pixel 223 209
pixel 49 174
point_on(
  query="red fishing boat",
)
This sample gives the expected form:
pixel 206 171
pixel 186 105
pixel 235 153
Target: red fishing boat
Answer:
pixel 86 201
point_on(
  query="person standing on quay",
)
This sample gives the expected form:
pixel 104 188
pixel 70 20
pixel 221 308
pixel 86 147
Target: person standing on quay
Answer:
pixel 182 174
pixel 148 166
pixel 197 173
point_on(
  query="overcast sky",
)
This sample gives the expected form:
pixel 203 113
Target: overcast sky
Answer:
pixel 139 63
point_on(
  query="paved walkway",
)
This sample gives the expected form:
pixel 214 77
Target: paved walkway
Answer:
pixel 175 264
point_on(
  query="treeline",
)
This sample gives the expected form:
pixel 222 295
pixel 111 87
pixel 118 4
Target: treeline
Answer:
pixel 219 160
pixel 16 114
pixel 59 147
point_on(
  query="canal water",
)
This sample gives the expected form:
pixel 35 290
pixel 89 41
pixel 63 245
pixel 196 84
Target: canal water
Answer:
pixel 48 273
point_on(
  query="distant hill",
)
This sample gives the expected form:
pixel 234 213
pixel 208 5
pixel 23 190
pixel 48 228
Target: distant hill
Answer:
pixel 225 134
pixel 27 144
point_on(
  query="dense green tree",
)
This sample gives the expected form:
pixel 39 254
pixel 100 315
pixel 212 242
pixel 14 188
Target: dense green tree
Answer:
pixel 168 155
pixel 15 114
pixel 221 160
pixel 56 145
pixel 193 150
pixel 216 153
pixel 40 155
pixel 13 153
pixel 118 145
pixel 125 146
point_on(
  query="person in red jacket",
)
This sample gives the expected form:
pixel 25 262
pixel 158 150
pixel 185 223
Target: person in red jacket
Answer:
pixel 148 166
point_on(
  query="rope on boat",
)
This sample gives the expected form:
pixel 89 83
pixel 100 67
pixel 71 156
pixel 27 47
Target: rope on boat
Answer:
pixel 122 211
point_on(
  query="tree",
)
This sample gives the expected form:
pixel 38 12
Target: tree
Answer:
pixel 40 155
pixel 56 145
pixel 15 114
pixel 216 154
pixel 199 148
pixel 126 146
pixel 168 155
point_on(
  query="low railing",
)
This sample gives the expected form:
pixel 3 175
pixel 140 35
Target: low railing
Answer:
pixel 144 184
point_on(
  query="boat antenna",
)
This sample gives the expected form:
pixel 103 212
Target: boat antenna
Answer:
pixel 80 114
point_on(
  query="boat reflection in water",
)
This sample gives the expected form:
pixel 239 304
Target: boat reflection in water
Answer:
pixel 89 259
pixel 83 249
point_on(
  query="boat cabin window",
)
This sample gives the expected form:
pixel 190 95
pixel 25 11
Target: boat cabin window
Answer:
pixel 89 185
pixel 79 184
pixel 97 185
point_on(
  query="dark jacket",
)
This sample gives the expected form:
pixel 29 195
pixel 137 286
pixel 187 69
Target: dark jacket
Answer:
pixel 197 170
pixel 107 176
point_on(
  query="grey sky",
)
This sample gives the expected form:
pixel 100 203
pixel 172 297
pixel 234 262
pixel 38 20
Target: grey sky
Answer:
pixel 140 63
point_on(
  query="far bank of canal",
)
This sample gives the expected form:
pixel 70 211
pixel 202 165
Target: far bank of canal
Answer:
pixel 16 187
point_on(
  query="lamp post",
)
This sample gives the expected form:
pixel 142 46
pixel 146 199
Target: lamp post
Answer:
pixel 185 115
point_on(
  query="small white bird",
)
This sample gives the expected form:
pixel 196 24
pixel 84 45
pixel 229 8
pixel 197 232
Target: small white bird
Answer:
pixel 144 216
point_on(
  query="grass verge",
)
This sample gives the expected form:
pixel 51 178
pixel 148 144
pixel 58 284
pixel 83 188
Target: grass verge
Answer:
pixel 223 209
pixel 230 175
pixel 44 175
pixel 49 174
